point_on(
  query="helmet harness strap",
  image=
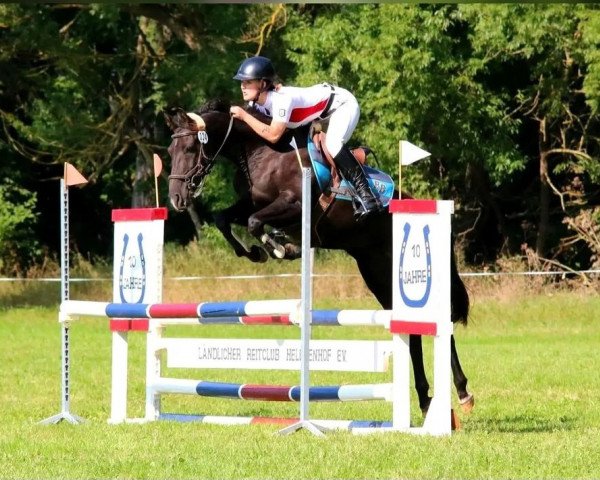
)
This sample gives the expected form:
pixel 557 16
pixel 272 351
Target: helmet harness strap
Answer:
pixel 264 87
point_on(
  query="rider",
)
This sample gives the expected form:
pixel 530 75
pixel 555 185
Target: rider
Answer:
pixel 291 107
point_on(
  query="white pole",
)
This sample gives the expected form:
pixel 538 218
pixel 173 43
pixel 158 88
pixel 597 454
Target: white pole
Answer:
pixel 401 383
pixel 439 416
pixel 119 362
pixel 306 306
pixel 306 296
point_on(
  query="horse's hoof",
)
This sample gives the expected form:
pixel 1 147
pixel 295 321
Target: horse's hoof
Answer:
pixel 425 408
pixel 292 252
pixel 257 254
pixel 454 420
pixel 276 250
pixel 467 403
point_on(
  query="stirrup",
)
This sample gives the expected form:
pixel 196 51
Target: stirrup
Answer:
pixel 361 212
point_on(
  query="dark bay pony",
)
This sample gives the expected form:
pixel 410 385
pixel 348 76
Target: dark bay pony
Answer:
pixel 268 182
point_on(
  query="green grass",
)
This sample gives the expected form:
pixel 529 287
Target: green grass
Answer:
pixel 532 363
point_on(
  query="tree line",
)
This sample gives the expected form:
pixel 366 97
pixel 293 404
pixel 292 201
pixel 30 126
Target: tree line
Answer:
pixel 504 96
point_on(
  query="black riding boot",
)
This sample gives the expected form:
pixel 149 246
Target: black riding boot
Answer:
pixel 353 172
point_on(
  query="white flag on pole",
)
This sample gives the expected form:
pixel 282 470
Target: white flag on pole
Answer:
pixel 410 153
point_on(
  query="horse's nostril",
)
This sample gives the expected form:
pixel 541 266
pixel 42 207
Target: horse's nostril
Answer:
pixel 177 202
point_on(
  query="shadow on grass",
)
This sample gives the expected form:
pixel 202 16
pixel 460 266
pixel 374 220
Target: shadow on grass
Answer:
pixel 525 424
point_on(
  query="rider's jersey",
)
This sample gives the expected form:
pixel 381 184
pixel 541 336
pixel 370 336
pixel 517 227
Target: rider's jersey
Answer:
pixel 296 106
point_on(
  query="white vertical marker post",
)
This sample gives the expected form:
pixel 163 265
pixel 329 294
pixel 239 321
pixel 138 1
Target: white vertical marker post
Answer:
pixel 71 177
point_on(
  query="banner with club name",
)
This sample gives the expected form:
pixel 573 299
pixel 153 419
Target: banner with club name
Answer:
pixel 273 354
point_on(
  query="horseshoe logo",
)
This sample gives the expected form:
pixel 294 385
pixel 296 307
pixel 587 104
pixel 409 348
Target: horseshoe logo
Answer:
pixel 419 302
pixel 132 264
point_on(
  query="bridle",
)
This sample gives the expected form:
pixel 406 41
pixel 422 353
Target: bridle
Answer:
pixel 195 176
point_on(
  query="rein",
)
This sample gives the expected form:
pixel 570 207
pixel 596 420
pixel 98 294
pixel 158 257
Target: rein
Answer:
pixel 200 169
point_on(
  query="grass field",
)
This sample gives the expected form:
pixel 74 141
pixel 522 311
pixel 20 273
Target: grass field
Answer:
pixel 531 358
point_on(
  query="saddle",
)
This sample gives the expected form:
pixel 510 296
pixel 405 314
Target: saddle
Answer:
pixel 318 136
pixel 331 183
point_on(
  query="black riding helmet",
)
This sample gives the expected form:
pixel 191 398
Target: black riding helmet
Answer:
pixel 256 68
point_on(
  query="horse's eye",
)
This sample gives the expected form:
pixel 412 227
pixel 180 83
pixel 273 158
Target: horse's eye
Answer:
pixel 190 149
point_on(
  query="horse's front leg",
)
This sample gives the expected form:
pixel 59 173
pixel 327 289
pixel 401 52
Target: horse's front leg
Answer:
pixel 285 210
pixel 238 214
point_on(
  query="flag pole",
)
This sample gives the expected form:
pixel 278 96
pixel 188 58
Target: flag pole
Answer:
pixel 156 190
pixel 157 170
pixel 400 169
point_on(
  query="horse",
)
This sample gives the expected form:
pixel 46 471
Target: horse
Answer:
pixel 268 184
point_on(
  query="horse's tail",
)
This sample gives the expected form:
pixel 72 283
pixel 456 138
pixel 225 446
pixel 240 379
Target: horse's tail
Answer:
pixel 459 296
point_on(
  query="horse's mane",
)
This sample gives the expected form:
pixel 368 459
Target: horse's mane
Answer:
pixel 283 145
pixel 223 106
pixel 215 105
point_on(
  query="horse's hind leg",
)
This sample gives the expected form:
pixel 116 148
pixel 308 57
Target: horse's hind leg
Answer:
pixel 466 399
pixel 421 383
pixel 460 314
pixel 376 269
pixel 238 213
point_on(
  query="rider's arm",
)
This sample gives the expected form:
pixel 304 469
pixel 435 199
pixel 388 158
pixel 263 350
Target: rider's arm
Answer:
pixel 271 133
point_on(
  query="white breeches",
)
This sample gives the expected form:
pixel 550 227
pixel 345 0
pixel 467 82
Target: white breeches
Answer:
pixel 342 121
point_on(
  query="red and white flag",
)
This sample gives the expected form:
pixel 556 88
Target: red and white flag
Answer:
pixel 157 165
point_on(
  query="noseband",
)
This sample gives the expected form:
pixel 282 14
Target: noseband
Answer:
pixel 204 164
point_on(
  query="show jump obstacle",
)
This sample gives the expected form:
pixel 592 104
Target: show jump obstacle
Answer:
pixel 421 305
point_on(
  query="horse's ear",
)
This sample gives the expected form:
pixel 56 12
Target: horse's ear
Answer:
pixel 177 118
pixel 195 121
pixel 173 117
pixel 169 121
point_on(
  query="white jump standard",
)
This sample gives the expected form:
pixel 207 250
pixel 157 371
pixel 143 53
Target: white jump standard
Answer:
pixel 421 305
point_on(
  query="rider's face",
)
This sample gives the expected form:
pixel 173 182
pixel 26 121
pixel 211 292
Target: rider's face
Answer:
pixel 250 89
